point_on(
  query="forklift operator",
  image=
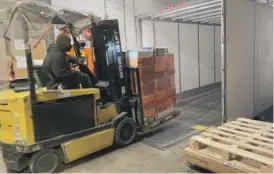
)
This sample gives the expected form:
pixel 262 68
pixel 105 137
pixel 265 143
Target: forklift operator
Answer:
pixel 57 65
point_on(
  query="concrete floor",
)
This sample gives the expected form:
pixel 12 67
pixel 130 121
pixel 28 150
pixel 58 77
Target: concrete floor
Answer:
pixel 143 158
pixel 203 109
pixel 138 157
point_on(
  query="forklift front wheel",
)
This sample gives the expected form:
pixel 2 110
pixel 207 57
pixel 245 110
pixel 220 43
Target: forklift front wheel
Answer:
pixel 11 171
pixel 125 132
pixel 45 161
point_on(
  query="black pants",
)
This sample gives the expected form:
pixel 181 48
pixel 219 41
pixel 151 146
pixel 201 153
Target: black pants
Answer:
pixel 75 79
pixel 86 70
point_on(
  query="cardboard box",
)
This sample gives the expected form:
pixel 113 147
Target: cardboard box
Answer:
pixel 166 104
pixel 147 74
pixel 4 62
pixel 163 83
pixel 149 108
pixel 169 72
pixel 157 81
pixel 161 96
pixel 148 88
pixel 161 51
pixel 172 80
pixel 38 53
pixel 166 107
pixel 161 63
pixel 157 51
pixel 147 82
pixel 165 63
pixel 160 74
pixel 139 58
pixel 171 61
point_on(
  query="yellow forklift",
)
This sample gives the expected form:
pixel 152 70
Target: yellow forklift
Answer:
pixel 41 128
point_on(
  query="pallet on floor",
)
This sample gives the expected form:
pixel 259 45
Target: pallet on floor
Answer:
pixel 241 146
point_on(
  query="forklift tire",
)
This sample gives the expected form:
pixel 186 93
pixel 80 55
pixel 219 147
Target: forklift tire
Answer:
pixel 11 171
pixel 125 132
pixel 45 161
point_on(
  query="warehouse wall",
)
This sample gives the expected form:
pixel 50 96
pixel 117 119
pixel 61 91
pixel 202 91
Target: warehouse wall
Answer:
pixel 249 58
pixel 123 10
pixel 197 50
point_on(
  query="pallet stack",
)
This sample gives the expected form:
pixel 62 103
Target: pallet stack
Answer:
pixel 156 69
pixel 241 146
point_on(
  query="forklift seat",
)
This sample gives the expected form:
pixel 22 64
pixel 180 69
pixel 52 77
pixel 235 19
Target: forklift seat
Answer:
pixel 42 78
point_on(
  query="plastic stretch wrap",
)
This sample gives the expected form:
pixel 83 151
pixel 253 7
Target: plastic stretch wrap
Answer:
pixel 157 81
pixel 28 30
pixel 29 19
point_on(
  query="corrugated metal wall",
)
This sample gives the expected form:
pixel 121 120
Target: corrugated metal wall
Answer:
pixel 189 57
pixel 249 58
pixel 263 59
pixel 206 54
pixel 240 58
pixel 166 36
pixel 197 55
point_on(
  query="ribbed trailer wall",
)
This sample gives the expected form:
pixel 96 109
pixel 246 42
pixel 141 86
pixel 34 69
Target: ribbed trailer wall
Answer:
pixel 248 56
pixel 263 59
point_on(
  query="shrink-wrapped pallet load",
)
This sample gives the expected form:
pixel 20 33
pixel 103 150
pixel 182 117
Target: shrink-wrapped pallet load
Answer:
pixel 157 83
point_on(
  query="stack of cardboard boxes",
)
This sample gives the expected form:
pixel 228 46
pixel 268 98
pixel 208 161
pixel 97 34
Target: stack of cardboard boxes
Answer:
pixel 18 54
pixel 157 81
pixel 4 64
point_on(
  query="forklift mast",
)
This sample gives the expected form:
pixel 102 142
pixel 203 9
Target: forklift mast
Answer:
pixel 109 61
pixel 76 44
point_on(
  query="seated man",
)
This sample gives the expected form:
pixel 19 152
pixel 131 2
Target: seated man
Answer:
pixel 57 65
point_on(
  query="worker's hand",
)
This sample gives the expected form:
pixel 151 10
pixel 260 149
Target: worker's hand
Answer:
pixel 76 60
pixel 81 60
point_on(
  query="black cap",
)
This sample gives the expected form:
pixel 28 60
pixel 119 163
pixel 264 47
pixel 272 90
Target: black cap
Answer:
pixel 63 42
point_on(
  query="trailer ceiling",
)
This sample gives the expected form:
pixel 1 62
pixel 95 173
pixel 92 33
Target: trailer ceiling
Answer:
pixel 193 11
pixel 207 12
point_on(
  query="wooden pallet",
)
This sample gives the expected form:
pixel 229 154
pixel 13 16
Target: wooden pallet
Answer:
pixel 238 146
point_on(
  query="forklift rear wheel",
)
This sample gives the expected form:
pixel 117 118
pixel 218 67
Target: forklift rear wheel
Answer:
pixel 11 171
pixel 45 161
pixel 125 132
